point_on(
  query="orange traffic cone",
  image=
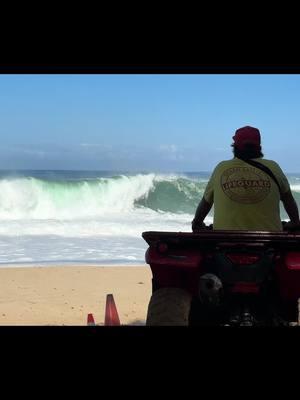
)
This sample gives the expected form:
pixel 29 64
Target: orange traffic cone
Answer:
pixel 111 313
pixel 90 320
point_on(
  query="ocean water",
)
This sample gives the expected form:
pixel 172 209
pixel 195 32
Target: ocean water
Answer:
pixel 91 217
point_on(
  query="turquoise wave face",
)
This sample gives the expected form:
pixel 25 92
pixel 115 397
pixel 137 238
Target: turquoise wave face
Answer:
pixel 176 196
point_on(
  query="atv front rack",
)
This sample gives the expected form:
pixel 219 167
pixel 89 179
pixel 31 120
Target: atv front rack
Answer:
pixel 209 238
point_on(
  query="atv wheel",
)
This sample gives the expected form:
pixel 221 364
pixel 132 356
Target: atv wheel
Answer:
pixel 169 307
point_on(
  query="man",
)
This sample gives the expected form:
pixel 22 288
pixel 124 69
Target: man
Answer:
pixel 246 190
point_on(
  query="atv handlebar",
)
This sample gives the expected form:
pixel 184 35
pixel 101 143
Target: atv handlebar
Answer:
pixel 203 227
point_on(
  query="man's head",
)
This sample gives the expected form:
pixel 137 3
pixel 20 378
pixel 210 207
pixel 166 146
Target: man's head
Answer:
pixel 247 143
pixel 246 135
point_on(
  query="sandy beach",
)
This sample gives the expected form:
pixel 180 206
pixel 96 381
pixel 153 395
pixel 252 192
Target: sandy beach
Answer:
pixel 64 295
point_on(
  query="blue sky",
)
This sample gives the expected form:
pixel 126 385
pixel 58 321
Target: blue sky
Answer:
pixel 142 122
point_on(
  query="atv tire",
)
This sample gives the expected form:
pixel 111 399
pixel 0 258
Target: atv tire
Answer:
pixel 169 307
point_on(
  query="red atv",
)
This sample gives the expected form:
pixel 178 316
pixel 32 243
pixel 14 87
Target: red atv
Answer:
pixel 224 278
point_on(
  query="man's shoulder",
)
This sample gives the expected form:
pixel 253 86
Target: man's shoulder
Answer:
pixel 268 163
pixel 273 166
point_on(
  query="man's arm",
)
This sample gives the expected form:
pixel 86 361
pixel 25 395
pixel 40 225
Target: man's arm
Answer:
pixel 201 212
pixel 291 208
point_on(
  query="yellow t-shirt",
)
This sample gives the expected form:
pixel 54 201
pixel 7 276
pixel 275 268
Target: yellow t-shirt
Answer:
pixel 245 197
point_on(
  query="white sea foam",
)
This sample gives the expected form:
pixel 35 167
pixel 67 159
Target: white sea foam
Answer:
pixel 115 238
pixel 32 198
pixel 295 188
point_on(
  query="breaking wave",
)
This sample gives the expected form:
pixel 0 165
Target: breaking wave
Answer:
pixel 34 198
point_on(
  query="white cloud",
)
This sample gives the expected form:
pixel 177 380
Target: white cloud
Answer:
pixel 104 146
pixel 170 148
pixel 23 150
pixel 171 152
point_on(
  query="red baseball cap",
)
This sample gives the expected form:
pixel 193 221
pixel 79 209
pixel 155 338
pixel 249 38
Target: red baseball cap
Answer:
pixel 246 135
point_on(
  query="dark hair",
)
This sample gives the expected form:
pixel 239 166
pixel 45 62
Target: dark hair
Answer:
pixel 249 151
